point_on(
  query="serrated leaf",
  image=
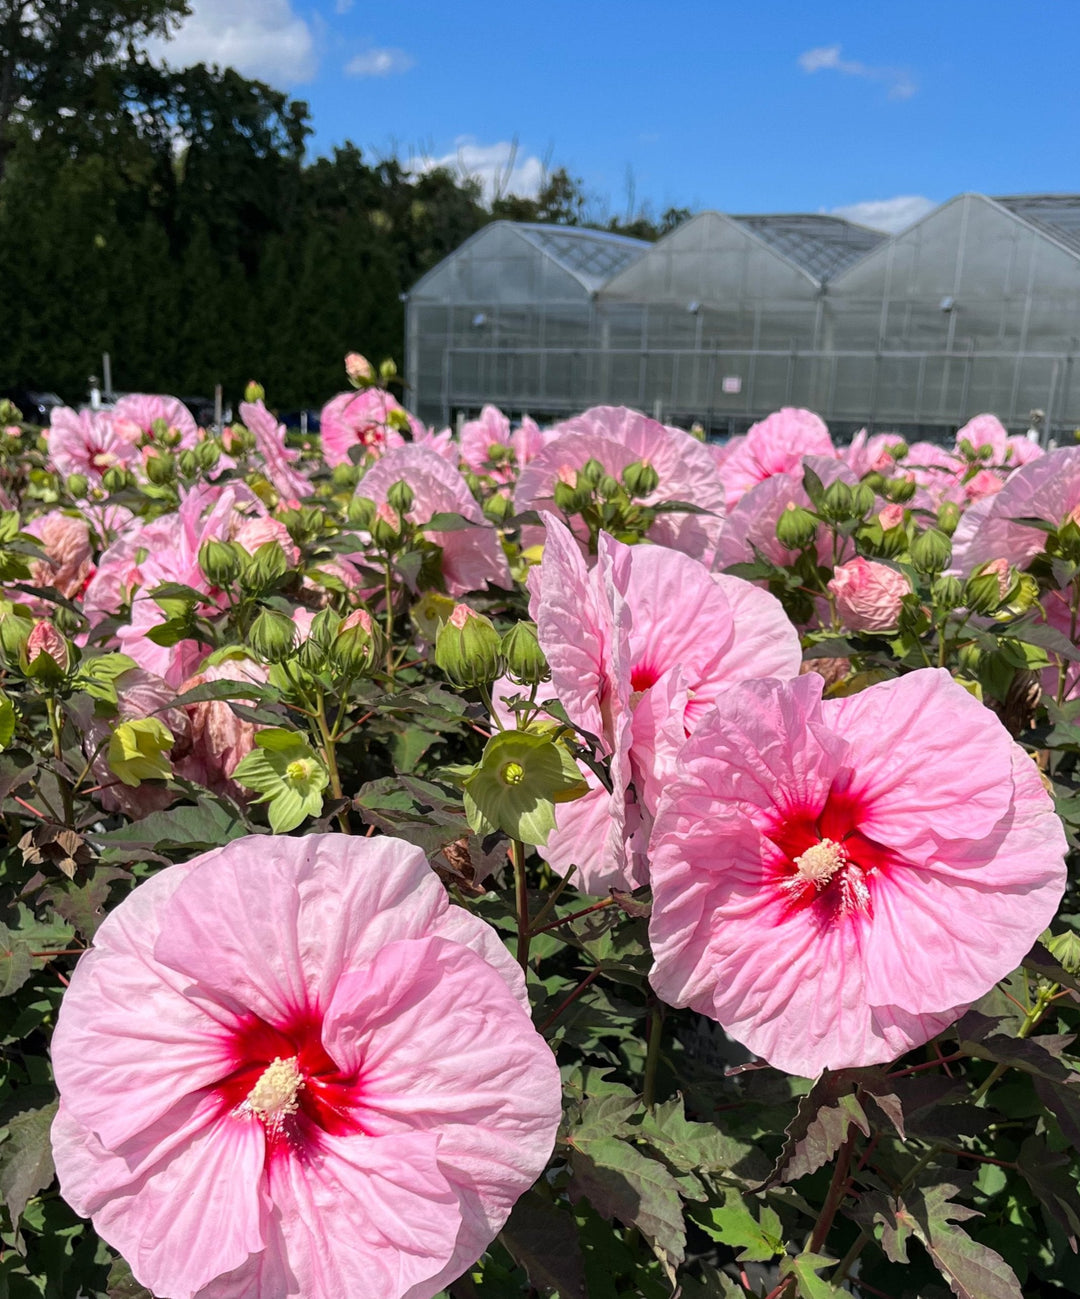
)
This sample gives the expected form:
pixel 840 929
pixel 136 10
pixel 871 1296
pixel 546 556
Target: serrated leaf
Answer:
pixel 1040 1056
pixel 16 964
pixel 733 1223
pixel 1062 1099
pixel 973 1270
pixel 699 1147
pixel 197 829
pixel 820 1126
pixel 26 1162
pixel 805 1269
pixel 1049 1174
pixel 543 1239
pixel 620 1182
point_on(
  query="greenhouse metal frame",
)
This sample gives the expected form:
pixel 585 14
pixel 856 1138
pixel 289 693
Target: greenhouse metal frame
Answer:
pixel 975 307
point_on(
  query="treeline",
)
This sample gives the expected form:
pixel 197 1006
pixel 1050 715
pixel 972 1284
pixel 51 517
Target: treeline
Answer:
pixel 172 219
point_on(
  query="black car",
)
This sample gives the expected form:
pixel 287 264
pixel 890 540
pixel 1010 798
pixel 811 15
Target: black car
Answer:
pixel 35 406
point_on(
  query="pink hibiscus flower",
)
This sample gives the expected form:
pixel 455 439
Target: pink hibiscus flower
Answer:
pixel 492 428
pixel 278 459
pixel 135 415
pixel 869 596
pixel 813 860
pixel 472 557
pixel 69 557
pixel 618 437
pixel 630 667
pixel 361 419
pixel 219 738
pixel 868 454
pixel 289 1068
pixel 84 442
pixel 775 445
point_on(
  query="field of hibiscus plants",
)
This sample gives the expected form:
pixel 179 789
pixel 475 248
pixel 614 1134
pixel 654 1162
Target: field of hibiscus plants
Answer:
pixel 575 861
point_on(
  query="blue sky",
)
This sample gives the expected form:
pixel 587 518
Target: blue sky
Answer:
pixel 743 107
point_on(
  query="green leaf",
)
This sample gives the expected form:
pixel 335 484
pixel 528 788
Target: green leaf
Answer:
pixel 26 1162
pixel 973 1270
pixel 193 829
pixel 805 1269
pixel 1050 1176
pixel 820 1126
pixel 543 1239
pixel 122 1285
pixel 699 1147
pixel 7 721
pixel 620 1182
pixel 1040 1056
pixel 733 1223
pixel 447 521
pixel 16 964
pixel 215 690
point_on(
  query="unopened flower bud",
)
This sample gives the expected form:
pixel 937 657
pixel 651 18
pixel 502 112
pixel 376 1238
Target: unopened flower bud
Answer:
pixel 525 660
pixel 398 419
pixel 46 643
pixel 498 507
pixel 401 496
pixel 569 499
pixel 254 391
pixel 468 647
pixel 796 527
pixel 220 562
pixel 357 647
pixel 272 636
pixel 590 473
pixel 1022 595
pixel 316 646
pixel 114 479
pixel 898 450
pixel 171 437
pixel 608 488
pixel 361 513
pixel 161 470
pixel 931 552
pixel 189 463
pixel 345 476
pixel 899 489
pixel 77 485
pixel 640 478
pixel 838 502
pixel 864 500
pixel 387 371
pixel 982 592
pixel 948 516
pixel 360 371
pixel 498 453
pixel 208 452
pixel 891 516
pixel 386 528
pixel 947 592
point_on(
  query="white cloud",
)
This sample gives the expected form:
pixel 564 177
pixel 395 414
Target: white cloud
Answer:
pixel 342 6
pixel 890 214
pixel 827 58
pixel 499 167
pixel 379 63
pixel 259 38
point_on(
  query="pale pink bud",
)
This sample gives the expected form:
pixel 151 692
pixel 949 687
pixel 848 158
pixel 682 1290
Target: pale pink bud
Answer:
pixel 567 475
pixel 868 595
pixel 45 639
pixel 892 516
pixel 359 369
pixel 358 618
pixel 1000 569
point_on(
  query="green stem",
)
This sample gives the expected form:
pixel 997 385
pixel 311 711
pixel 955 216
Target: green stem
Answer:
pixel 389 619
pixel 521 890
pixel 328 749
pixel 55 729
pixel 1063 667
pixel 655 1032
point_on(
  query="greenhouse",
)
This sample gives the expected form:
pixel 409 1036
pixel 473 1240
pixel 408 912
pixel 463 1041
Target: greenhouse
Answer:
pixel 976 307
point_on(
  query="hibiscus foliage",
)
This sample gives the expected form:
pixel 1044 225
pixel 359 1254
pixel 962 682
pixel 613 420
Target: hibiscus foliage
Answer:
pixel 757 759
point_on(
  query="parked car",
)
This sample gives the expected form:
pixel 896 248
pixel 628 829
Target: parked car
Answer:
pixel 36 406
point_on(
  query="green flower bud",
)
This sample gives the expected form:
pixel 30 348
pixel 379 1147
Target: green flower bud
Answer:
pixel 948 592
pixel 161 470
pixel 138 751
pixel 525 660
pixel 948 516
pixel 982 592
pixel 386 529
pixel 345 476
pixel 360 371
pixel 315 650
pixel 875 481
pixel 498 453
pixel 48 654
pixel 1022 595
pixel 640 478
pixel 397 419
pixel 570 498
pixel 468 648
pixel 498 508
pixel 401 496
pixel 261 571
pixel 170 437
pixel 77 485
pixel 931 552
pixel 9 412
pixel 254 391
pixel 590 473
pixel 898 450
pixel 208 452
pixel 608 488
pixel 796 527
pixel 1068 540
pixel 899 489
pixel 115 479
pixel 361 513
pixel 387 371
pixel 272 636
pixel 838 503
pixel 189 463
pixel 358 645
pixel 475 484
pixel 864 500
pixel 220 562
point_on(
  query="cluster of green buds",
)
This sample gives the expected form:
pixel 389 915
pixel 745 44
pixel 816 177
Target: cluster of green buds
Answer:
pixel 469 649
pixel 615 505
pixel 346 647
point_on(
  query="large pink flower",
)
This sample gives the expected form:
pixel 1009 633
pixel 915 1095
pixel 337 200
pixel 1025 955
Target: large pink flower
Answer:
pixel 472 557
pixel 618 437
pixel 86 442
pixel 835 881
pixel 219 738
pixel 775 445
pixel 492 428
pixel 135 415
pixel 277 458
pixel 360 419
pixel 639 647
pixel 289 1068
pixel 69 557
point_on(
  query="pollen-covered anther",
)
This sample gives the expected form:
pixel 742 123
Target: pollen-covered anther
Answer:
pixel 273 1098
pixel 820 862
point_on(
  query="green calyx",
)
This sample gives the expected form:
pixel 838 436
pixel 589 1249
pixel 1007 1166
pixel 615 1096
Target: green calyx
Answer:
pixel 516 784
pixel 289 775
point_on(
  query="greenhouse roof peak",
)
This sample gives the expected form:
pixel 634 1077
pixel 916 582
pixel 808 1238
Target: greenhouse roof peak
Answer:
pixel 1056 215
pixel 819 244
pixel 591 256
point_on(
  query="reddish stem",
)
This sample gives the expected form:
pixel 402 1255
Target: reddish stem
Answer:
pixel 569 1000
pixel 575 915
